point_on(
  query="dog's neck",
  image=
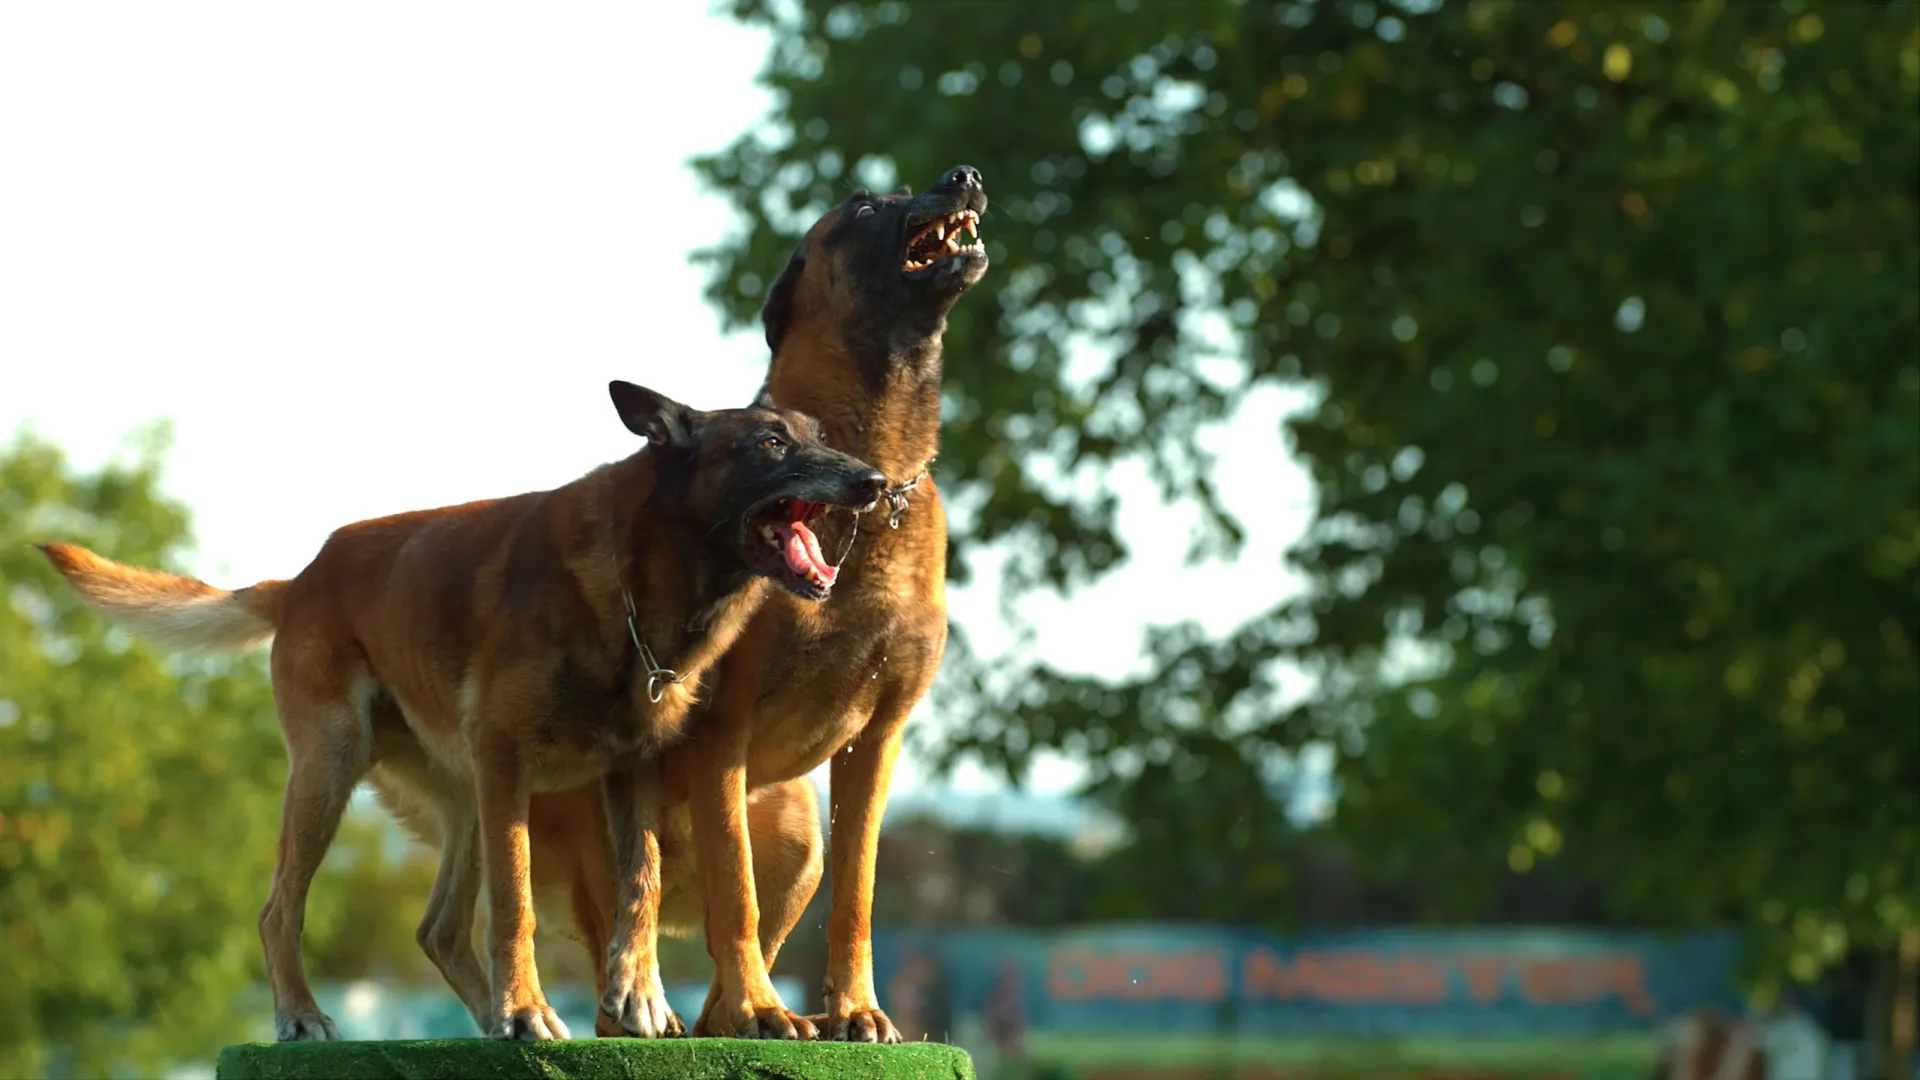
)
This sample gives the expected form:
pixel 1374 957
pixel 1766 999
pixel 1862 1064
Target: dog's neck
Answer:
pixel 686 611
pixel 879 400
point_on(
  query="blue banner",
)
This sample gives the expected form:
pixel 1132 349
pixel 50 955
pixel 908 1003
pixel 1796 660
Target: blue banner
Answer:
pixel 1169 978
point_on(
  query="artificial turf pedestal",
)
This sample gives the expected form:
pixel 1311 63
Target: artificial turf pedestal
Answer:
pixel 580 1059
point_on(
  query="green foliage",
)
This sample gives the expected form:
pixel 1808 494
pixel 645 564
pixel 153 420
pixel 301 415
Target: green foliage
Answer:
pixel 627 1059
pixel 138 797
pixel 139 802
pixel 1612 315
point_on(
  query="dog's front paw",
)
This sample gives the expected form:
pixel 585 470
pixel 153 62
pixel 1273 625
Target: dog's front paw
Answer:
pixel 745 1020
pixel 865 1024
pixel 533 1022
pixel 305 1027
pixel 641 1010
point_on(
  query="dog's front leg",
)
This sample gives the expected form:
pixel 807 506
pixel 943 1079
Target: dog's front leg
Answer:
pixel 858 787
pixel 632 994
pixel 744 1002
pixel 503 784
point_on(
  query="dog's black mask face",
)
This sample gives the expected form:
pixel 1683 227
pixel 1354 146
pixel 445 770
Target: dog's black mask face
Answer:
pixel 884 256
pixel 749 482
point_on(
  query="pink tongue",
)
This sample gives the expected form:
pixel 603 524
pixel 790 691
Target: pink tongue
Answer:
pixel 802 550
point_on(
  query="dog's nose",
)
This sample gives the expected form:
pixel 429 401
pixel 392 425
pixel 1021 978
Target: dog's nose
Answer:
pixel 870 485
pixel 965 176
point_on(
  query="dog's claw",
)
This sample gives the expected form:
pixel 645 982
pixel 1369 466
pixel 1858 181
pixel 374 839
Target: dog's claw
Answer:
pixel 643 1014
pixel 867 1025
pixel 535 1023
pixel 773 1022
pixel 305 1027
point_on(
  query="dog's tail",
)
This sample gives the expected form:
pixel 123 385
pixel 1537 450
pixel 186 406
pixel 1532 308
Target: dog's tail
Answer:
pixel 178 613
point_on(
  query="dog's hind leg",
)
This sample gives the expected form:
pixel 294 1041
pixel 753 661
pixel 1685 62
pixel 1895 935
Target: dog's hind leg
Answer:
pixel 591 896
pixel 446 928
pixel 783 824
pixel 324 720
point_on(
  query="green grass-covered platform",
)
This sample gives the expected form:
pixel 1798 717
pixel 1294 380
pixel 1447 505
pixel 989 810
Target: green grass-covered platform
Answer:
pixel 613 1059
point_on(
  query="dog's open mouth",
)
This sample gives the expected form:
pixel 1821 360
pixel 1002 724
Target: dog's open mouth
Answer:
pixel 784 547
pixel 943 238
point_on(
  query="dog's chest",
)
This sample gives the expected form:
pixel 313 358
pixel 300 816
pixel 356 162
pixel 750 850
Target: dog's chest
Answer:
pixel 824 682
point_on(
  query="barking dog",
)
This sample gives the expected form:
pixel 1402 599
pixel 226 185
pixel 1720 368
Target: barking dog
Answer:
pixel 483 652
pixel 855 324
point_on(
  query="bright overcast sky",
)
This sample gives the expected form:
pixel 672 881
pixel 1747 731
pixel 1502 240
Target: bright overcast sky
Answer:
pixel 376 257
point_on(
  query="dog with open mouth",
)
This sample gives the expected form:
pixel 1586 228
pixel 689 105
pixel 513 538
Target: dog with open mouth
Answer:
pixel 854 323
pixel 475 655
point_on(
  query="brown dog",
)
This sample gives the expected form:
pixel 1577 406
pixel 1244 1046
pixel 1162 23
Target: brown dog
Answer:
pixel 855 324
pixel 483 652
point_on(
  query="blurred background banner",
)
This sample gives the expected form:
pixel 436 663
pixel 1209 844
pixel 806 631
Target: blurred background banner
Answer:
pixel 1172 978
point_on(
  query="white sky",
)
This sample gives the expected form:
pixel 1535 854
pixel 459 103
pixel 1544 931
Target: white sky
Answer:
pixel 375 257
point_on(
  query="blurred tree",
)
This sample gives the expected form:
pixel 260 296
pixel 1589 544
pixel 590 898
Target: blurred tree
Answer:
pixel 1612 314
pixel 139 803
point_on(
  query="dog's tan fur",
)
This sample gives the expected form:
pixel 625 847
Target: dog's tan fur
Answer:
pixel 484 652
pixel 803 682
pixel 833 681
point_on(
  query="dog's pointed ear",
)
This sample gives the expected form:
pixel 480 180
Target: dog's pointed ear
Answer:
pixel 764 399
pixel 659 419
pixel 777 313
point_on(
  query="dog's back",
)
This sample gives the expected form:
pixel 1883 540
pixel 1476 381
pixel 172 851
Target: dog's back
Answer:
pixel 413 592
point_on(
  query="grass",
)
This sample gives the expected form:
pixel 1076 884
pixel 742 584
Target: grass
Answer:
pixel 616 1059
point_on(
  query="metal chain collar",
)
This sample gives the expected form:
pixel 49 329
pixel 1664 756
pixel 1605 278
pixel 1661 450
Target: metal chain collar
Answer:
pixel 897 496
pixel 658 678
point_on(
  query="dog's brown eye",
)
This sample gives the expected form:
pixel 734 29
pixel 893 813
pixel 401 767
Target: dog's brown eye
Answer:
pixel 771 443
